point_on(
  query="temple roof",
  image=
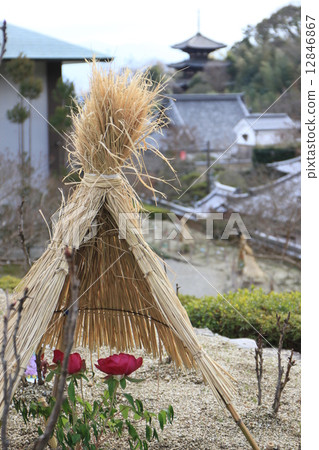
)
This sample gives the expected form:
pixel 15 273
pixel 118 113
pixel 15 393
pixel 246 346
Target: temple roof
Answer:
pixel 41 47
pixel 199 42
pixel 208 117
pixel 270 121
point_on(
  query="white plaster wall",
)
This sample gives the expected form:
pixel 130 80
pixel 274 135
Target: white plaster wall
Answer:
pixel 244 128
pixel 39 128
pixel 273 137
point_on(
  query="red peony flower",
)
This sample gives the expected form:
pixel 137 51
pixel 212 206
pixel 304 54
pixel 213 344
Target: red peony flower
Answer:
pixel 75 364
pixel 122 364
pixel 58 356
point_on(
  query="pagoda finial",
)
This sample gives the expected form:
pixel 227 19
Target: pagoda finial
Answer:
pixel 198 21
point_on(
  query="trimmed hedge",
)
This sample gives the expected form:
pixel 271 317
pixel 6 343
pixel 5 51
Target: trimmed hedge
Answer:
pixel 151 210
pixel 254 305
pixel 9 282
pixel 265 155
pixel 220 317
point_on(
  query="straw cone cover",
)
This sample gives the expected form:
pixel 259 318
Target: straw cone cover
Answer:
pixel 125 299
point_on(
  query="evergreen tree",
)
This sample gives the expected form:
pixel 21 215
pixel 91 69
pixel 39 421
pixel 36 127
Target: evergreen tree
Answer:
pixel 21 72
pixel 64 96
pixel 267 61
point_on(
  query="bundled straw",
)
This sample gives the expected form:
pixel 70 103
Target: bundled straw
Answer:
pixel 126 299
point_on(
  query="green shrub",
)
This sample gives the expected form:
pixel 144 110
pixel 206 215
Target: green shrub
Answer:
pixel 265 155
pixel 258 308
pixel 151 210
pixel 16 270
pixel 193 192
pixel 8 282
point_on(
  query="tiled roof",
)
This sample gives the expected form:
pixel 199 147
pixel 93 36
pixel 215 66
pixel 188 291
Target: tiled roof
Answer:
pixel 292 165
pixel 199 42
pixel 209 117
pixel 259 122
pixel 281 196
pixel 41 47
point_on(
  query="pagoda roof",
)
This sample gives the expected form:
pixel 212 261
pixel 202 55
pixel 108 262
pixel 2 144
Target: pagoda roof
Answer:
pixel 38 46
pixel 199 42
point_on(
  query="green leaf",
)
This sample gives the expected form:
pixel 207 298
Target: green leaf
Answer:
pixel 129 398
pixel 155 435
pixel 148 416
pixel 75 438
pixel 139 405
pixel 162 419
pixel 96 407
pixel 148 433
pixel 135 380
pixel 124 409
pixel 79 400
pixel 145 445
pixel 170 413
pixel 49 377
pixel 68 438
pixel 137 416
pixel 66 407
pixel 132 431
pixel 112 385
pixel 88 406
pixel 64 421
pixel 25 414
pixel 60 435
pixel 33 409
pixel 40 431
pixel 119 426
pixel 83 429
pixel 123 383
pixel 71 392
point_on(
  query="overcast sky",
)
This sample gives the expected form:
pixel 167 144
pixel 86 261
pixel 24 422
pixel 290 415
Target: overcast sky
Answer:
pixel 136 32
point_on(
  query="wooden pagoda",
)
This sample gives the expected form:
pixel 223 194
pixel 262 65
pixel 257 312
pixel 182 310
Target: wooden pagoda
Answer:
pixel 199 48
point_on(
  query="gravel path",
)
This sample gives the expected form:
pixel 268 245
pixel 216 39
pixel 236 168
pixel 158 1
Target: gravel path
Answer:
pixel 199 422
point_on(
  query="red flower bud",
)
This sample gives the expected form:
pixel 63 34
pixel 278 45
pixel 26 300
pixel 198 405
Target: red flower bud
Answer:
pixel 58 356
pixel 122 364
pixel 75 364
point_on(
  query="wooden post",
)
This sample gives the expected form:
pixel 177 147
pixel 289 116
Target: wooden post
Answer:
pixel 242 426
pixel 270 446
pixel 208 167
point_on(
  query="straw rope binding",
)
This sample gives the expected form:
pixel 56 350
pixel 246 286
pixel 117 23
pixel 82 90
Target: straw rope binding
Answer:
pixel 125 300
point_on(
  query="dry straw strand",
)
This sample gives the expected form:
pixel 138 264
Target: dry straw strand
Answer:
pixel 126 299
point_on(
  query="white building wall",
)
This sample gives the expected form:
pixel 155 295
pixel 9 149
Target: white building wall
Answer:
pixel 9 136
pixel 269 137
pixel 245 134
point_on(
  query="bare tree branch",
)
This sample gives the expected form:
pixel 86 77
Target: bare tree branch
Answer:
pixel 9 379
pixel 69 329
pixel 281 384
pixel 22 237
pixel 39 366
pixel 259 365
